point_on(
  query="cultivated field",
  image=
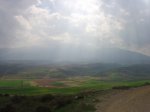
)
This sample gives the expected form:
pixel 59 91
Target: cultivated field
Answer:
pixel 62 86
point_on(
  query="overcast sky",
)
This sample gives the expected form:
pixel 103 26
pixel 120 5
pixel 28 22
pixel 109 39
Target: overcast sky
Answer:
pixel 88 24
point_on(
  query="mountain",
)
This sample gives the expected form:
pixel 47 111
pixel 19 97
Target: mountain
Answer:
pixel 106 71
pixel 132 72
pixel 123 57
pixel 28 70
pixel 83 56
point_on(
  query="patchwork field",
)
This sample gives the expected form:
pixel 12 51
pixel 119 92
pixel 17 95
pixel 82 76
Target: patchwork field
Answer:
pixel 62 86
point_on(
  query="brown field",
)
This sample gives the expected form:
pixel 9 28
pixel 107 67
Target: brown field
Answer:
pixel 59 83
pixel 45 82
pixel 132 100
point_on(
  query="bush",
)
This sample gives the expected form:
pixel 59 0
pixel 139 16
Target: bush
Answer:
pixel 46 98
pixel 6 95
pixel 8 108
pixel 61 101
pixel 146 83
pixel 17 99
pixel 121 87
pixel 43 109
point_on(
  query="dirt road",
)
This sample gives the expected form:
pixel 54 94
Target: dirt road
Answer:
pixel 133 100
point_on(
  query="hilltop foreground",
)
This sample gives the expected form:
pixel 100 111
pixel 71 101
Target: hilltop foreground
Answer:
pixel 132 100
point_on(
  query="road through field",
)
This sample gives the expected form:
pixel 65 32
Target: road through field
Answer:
pixel 132 100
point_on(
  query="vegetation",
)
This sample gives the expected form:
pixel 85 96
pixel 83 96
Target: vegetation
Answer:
pixel 32 71
pixel 133 72
pixel 80 102
pixel 25 88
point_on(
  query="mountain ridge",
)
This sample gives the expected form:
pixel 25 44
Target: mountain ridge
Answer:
pixel 105 55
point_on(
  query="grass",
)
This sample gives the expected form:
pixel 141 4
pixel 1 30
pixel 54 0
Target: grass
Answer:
pixel 11 83
pixel 57 84
pixel 65 99
pixel 103 85
pixel 38 90
pixel 23 87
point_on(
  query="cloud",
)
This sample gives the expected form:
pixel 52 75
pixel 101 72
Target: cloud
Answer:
pixel 15 6
pixel 9 24
pixel 134 16
pixel 85 23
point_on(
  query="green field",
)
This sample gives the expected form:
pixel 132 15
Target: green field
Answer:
pixel 68 86
pixel 78 94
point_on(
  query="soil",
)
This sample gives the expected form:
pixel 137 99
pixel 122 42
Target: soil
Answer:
pixel 132 100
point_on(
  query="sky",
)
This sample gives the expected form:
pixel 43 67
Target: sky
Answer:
pixel 59 26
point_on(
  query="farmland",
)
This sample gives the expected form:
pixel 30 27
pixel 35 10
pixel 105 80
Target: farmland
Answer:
pixel 78 94
pixel 61 86
pixel 73 88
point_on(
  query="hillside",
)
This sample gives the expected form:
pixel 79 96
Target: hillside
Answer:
pixel 28 70
pixel 104 71
pixel 133 72
pixel 100 55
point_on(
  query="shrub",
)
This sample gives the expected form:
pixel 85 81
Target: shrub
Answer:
pixel 46 98
pixel 8 108
pixel 146 83
pixel 42 109
pixel 6 95
pixel 17 99
pixel 121 87
pixel 61 101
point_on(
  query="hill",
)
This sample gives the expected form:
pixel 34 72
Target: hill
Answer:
pixel 28 70
pixel 107 71
pixel 133 72
pixel 100 55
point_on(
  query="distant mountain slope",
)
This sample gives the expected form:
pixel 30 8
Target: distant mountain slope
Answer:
pixel 133 72
pixel 101 55
pixel 123 57
pixel 106 71
pixel 40 71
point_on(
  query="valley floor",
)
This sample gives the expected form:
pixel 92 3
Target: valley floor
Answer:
pixel 132 100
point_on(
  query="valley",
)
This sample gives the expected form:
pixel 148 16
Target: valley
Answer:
pixel 78 86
